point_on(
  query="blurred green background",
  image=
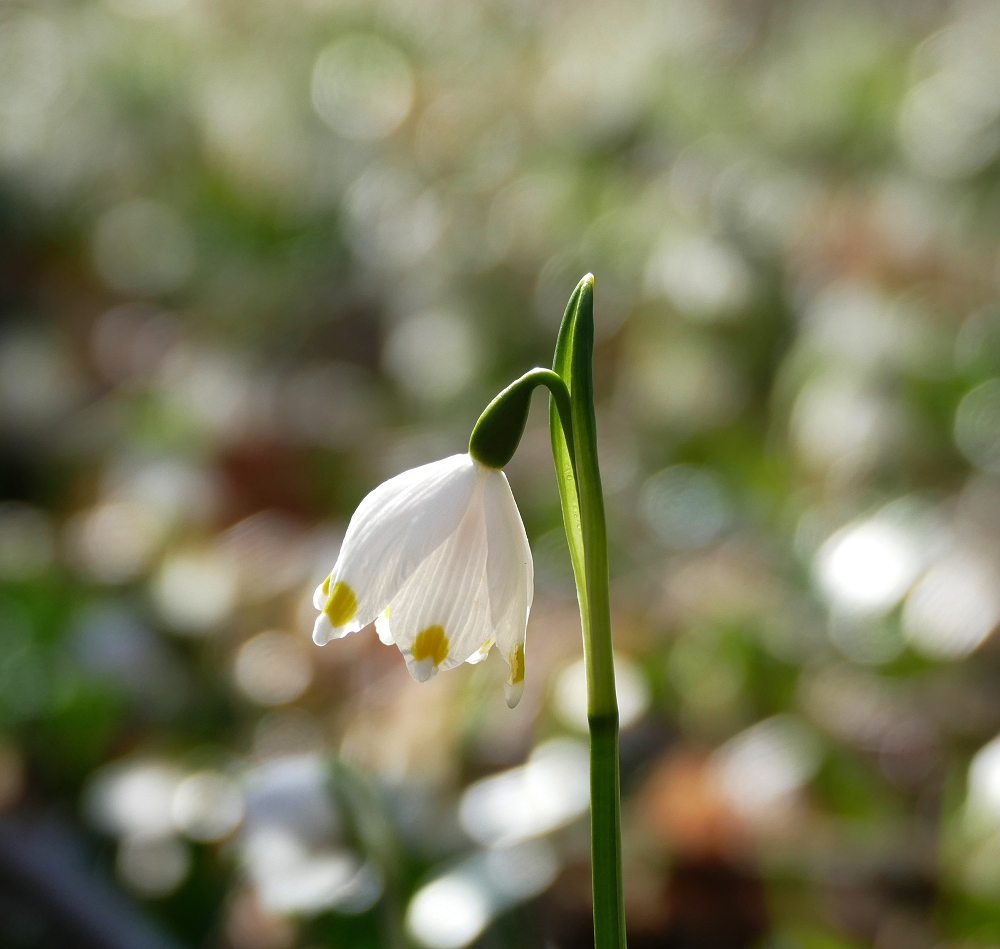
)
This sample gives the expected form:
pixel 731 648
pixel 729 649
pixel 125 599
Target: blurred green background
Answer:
pixel 256 257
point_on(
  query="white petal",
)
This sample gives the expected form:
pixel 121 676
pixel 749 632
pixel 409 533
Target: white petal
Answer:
pixel 321 593
pixel 393 530
pixel 509 577
pixel 512 692
pixel 509 566
pixel 322 630
pixel 481 653
pixel 382 627
pixel 441 616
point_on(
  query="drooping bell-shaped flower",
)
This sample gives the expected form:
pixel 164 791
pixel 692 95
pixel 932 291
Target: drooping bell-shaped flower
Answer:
pixel 438 558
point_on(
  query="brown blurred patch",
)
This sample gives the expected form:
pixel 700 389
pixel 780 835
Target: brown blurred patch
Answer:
pixel 705 904
pixel 250 926
pixel 712 897
pixel 265 475
pixel 682 809
pixel 12 774
pixel 711 905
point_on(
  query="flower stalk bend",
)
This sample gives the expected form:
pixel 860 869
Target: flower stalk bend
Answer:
pixel 498 432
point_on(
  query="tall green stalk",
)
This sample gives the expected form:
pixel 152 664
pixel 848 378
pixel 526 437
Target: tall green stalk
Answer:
pixel 586 534
pixel 574 448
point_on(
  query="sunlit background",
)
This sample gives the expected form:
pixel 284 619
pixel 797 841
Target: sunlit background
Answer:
pixel 256 256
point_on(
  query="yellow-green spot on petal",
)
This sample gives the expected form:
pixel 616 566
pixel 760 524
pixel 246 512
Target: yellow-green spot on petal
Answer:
pixel 431 643
pixel 341 605
pixel 517 665
pixel 326 586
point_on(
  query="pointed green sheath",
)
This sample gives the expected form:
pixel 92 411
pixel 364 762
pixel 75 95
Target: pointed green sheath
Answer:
pixel 565 468
pixel 583 515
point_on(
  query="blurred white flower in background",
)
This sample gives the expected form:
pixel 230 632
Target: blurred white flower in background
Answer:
pixel 547 792
pixel 631 687
pixel 195 590
pixel 290 841
pixel 760 769
pixel 287 831
pixel 706 280
pixel 362 87
pixel 954 607
pixel 433 355
pixel 451 910
pixel 133 800
pixel 291 878
pixel 273 668
pixel 134 797
pixel 866 567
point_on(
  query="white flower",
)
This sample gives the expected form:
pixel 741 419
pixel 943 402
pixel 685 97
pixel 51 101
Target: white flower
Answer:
pixel 438 558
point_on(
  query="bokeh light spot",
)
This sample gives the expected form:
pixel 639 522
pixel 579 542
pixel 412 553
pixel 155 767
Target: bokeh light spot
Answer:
pixel 865 568
pixel 761 767
pixel 448 913
pixel 432 355
pixel 685 506
pixel 195 591
pixel 152 867
pixel 33 65
pixel 570 693
pixel 273 668
pixel 983 800
pixel 977 426
pixel 207 806
pixel 702 277
pixel 362 87
pixel 953 608
pixel 114 541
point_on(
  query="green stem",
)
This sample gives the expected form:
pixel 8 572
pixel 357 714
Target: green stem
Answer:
pixel 583 515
